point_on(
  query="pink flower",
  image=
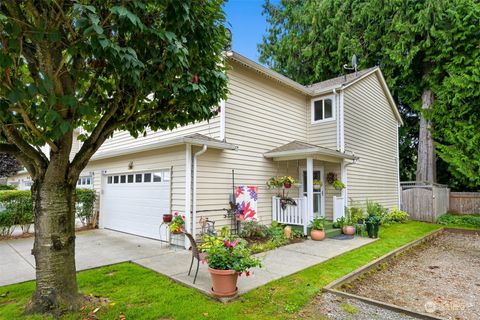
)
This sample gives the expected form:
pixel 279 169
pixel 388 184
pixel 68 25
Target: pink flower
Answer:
pixel 234 243
pixel 227 244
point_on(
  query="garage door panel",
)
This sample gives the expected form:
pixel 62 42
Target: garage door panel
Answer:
pixel 136 208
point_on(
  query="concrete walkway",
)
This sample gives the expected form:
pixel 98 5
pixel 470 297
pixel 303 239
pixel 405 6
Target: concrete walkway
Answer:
pixel 277 263
pixel 96 248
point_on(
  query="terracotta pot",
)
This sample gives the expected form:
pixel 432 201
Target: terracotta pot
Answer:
pixel 167 218
pixel 224 282
pixel 287 185
pixel 317 235
pixel 348 230
pixel 177 232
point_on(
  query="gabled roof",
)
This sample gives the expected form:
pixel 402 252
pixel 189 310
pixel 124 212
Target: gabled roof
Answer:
pixel 338 83
pixel 195 139
pixel 298 148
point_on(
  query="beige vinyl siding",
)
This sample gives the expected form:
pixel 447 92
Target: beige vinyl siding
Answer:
pixel 371 132
pixel 323 133
pixel 166 158
pixel 261 114
pixel 123 139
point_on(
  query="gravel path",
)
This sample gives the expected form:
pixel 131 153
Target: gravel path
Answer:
pixel 441 277
pixel 332 307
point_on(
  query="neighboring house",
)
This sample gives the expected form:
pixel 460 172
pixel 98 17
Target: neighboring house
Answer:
pixel 269 126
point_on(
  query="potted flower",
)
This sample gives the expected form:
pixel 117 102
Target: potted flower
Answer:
pixel 317 231
pixel 348 227
pixel 167 218
pixel 274 183
pixel 287 181
pixel 226 261
pixel 177 224
pixel 338 185
pixel 317 184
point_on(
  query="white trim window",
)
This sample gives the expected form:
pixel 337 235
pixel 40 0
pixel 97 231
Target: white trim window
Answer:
pixel 323 109
pixel 85 182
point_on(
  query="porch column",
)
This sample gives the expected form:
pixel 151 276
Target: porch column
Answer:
pixel 344 180
pixel 310 187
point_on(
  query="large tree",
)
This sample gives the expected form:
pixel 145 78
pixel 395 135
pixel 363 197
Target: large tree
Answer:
pixel 100 66
pixel 8 165
pixel 311 41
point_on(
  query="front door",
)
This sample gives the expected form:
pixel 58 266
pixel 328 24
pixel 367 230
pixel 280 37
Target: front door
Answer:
pixel 317 192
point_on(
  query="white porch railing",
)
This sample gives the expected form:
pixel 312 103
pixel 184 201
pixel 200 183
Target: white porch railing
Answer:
pixel 338 207
pixel 292 214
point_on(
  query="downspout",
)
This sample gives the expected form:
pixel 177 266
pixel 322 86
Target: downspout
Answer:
pixel 194 190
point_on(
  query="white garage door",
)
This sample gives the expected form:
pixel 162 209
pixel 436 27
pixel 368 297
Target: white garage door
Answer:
pixel 136 202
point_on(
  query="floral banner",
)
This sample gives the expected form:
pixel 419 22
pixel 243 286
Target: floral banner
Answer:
pixel 246 198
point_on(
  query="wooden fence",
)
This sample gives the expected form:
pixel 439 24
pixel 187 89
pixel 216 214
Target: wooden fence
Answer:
pixel 423 201
pixel 465 202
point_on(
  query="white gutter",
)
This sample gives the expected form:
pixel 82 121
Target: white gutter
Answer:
pixel 188 189
pixel 194 189
pixel 222 120
pixel 309 151
pixel 164 144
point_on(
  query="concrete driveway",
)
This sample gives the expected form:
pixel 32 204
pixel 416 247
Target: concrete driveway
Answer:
pixel 94 248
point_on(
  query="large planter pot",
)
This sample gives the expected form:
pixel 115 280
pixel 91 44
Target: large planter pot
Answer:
pixel 348 230
pixel 167 218
pixel 317 235
pixel 224 282
pixel 372 229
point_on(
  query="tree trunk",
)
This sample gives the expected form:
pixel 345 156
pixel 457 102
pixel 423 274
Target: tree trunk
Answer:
pixel 54 247
pixel 426 160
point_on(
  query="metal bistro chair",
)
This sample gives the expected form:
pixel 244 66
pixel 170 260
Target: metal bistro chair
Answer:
pixel 196 254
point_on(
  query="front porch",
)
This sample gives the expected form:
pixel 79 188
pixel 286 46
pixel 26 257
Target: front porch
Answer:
pixel 316 195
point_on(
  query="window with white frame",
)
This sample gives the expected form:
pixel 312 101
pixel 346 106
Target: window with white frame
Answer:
pixel 323 109
pixel 84 182
pixel 145 177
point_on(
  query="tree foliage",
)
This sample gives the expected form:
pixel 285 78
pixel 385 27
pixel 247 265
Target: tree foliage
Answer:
pixel 104 66
pixel 8 165
pixel 419 45
pixel 96 67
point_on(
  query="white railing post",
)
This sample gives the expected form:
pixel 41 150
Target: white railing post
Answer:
pixel 305 213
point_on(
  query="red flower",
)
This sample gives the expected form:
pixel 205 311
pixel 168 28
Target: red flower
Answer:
pixel 239 274
pixel 195 78
pixel 247 273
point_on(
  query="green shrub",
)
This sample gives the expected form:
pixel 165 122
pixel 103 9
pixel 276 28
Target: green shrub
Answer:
pixel 395 216
pixel 253 230
pixel 85 205
pixel 16 208
pixel 4 187
pixel 469 220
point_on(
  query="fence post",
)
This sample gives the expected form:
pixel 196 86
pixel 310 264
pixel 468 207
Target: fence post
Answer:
pixel 305 213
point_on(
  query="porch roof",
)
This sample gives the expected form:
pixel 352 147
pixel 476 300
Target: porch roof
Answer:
pixel 300 150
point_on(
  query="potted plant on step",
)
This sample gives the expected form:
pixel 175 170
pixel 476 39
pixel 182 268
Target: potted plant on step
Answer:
pixel 226 261
pixel 317 184
pixel 317 231
pixel 349 225
pixel 178 223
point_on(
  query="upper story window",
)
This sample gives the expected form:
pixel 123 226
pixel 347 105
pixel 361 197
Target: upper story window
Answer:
pixel 323 109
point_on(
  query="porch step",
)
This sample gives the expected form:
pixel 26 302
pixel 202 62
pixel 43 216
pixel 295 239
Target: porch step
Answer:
pixel 330 233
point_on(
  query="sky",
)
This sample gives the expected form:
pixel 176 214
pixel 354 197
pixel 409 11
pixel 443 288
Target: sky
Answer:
pixel 245 20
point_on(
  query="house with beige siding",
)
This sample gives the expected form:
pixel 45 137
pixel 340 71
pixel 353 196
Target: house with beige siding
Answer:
pixel 269 126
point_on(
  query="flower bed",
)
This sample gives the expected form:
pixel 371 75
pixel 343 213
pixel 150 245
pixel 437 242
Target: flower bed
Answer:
pixel 261 238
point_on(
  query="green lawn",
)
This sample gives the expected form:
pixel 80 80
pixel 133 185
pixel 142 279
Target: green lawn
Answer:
pixel 142 294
